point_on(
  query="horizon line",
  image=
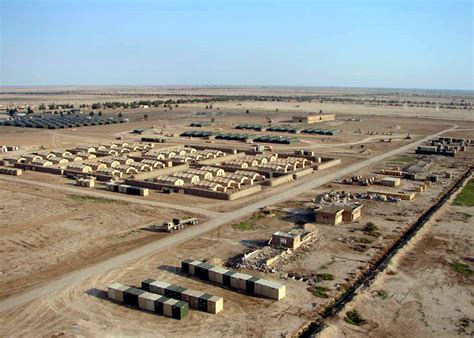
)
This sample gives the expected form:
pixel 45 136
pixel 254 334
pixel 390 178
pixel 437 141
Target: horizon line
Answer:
pixel 217 86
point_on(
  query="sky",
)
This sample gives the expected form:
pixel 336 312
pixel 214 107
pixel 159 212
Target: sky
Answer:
pixel 371 43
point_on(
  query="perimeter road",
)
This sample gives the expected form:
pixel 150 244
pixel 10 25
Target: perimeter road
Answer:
pixel 190 233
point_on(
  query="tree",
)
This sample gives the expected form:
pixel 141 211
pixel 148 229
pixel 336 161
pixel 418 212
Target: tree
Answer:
pixel 320 111
pixel 120 115
pixel 145 117
pixel 91 113
pixel 247 112
pixel 42 106
pixel 29 111
pixel 99 113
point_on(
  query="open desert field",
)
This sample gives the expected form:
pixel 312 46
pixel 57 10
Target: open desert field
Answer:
pixel 63 243
pixel 427 290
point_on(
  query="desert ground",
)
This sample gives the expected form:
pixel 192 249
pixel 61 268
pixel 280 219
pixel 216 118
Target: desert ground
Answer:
pixel 421 293
pixel 62 245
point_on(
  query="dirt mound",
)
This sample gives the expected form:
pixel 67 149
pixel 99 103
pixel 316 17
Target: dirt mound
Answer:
pixel 214 261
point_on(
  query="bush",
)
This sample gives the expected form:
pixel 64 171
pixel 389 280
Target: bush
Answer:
pixel 462 269
pixel 243 226
pixel 325 276
pixel 320 291
pixel 353 317
pixel 371 227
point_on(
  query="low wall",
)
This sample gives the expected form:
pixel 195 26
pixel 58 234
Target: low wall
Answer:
pixel 327 164
pixel 33 167
pixel 246 192
pixel 161 172
pixel 278 180
pixel 302 172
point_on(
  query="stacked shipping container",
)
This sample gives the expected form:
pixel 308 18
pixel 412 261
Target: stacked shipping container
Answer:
pixel 168 307
pixel 233 279
pixel 127 189
pixel 196 299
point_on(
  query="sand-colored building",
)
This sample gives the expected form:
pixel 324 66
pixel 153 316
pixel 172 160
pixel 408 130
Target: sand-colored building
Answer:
pixel 314 118
pixel 285 239
pixel 169 180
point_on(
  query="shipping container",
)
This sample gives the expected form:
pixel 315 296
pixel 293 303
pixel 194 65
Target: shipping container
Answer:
pixel 196 299
pixel 130 296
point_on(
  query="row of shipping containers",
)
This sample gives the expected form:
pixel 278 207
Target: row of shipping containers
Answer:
pixel 234 279
pixel 144 300
pixel 11 171
pixel 127 189
pixel 319 131
pixel 196 299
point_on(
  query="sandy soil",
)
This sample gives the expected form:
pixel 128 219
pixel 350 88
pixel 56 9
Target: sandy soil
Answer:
pixel 423 295
pixel 82 310
pixel 45 233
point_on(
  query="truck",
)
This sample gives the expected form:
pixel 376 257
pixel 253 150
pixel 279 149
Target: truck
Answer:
pixel 178 224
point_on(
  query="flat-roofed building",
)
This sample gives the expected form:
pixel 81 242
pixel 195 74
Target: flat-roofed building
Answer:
pixel 314 118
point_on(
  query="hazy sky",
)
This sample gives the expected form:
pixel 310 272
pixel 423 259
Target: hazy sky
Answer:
pixel 407 44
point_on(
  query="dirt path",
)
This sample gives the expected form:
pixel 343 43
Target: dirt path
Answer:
pixel 191 233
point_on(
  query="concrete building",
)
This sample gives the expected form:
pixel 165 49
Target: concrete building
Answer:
pixel 285 239
pixel 314 118
pixel 352 212
pixel 332 215
pixel 390 181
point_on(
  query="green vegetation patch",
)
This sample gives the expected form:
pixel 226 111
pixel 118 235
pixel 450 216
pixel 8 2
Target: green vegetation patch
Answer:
pixel 353 317
pixel 325 276
pixel 381 294
pixel 403 159
pixel 320 291
pixel 91 199
pixel 462 269
pixel 243 226
pixel 466 197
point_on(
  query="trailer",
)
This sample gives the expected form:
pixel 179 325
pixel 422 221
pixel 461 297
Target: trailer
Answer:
pixel 177 224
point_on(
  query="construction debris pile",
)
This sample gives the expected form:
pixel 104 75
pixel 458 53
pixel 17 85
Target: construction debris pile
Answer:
pixel 358 180
pixel 274 258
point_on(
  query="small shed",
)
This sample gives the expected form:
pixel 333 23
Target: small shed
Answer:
pixel 285 239
pixel 390 181
pixel 332 215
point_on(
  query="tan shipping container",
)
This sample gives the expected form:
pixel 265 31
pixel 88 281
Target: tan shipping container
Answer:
pixel 167 307
pixel 243 281
pixel 215 304
pixel 159 287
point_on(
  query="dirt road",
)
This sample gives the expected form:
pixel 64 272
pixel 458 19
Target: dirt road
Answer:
pixel 191 233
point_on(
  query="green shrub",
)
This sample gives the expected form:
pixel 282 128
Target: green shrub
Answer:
pixel 353 317
pixel 243 226
pixel 325 276
pixel 320 291
pixel 371 227
pixel 462 269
